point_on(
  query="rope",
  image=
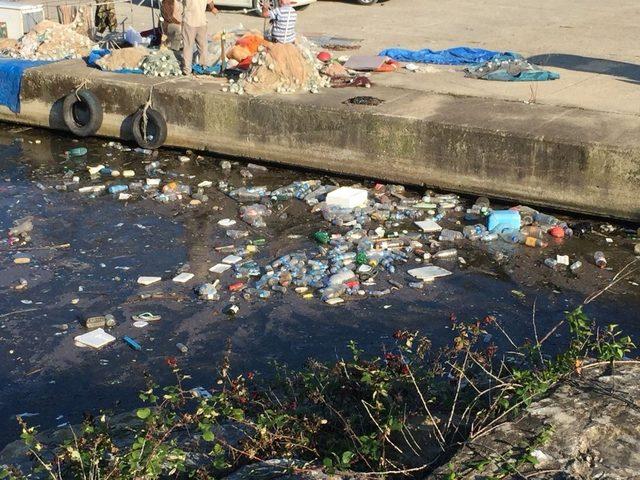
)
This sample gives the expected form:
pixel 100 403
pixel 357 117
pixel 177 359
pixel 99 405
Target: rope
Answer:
pixel 148 104
pixel 84 83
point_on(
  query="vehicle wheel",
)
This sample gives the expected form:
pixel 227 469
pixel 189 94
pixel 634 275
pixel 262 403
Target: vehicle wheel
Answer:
pixel 302 7
pixel 156 131
pixel 82 113
pixel 367 2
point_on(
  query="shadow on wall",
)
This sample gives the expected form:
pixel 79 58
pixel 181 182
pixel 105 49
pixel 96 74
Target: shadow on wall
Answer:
pixel 630 72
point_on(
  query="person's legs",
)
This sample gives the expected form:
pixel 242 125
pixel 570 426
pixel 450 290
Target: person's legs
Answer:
pixel 173 33
pixel 203 46
pixel 188 39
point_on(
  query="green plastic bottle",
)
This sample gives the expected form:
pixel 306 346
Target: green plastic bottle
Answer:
pixel 322 237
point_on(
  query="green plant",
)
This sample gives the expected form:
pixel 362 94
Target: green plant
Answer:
pixel 362 413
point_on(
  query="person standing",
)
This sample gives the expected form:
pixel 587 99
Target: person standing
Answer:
pixel 105 18
pixel 171 12
pixel 283 20
pixel 194 32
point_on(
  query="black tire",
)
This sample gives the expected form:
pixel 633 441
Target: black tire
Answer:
pixel 367 2
pixel 156 129
pixel 82 113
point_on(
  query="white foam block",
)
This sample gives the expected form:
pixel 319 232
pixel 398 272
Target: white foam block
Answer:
pixel 148 280
pixel 347 197
pixel 231 259
pixel 97 338
pixel 183 277
pixel 220 268
pixel 429 273
pixel 428 226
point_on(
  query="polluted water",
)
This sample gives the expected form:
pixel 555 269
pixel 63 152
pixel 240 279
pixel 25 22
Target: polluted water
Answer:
pixel 136 257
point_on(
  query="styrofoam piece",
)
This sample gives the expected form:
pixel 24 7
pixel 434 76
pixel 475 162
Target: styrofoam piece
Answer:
pixel 153 182
pixel 231 259
pixel 184 277
pixel 97 338
pixel 562 260
pixel 428 226
pixel 148 280
pixel 220 268
pixel 205 184
pixel 429 273
pixel 347 197
pixel 226 222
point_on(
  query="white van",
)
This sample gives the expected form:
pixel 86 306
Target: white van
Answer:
pixel 257 4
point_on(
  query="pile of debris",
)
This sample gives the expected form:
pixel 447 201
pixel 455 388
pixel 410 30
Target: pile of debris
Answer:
pixel 280 68
pixel 371 234
pixel 162 63
pixel 51 41
pixel 123 59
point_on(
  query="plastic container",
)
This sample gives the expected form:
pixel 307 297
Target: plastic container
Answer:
pixel 600 259
pixel 347 197
pixel 501 220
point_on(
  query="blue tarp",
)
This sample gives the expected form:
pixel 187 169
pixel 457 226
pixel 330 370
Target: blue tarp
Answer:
pixel 451 56
pixel 11 71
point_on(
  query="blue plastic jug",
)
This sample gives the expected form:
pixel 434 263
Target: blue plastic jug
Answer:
pixel 502 220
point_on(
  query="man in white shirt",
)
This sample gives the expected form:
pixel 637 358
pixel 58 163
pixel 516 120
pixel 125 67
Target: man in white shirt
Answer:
pixel 194 31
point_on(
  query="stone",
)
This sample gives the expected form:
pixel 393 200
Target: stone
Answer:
pixel 595 423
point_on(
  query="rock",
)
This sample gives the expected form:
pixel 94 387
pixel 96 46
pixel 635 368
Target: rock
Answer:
pixel 595 422
pixel 284 469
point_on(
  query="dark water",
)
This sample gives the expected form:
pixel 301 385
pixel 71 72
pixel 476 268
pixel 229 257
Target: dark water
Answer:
pixel 113 243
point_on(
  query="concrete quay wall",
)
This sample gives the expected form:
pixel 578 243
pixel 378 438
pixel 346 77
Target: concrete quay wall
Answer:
pixel 561 157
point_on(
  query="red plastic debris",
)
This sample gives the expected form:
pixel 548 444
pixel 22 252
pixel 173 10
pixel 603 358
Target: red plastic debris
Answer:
pixel 557 232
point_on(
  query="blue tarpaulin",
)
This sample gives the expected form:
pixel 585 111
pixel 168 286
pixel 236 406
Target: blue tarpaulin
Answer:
pixel 11 71
pixel 451 56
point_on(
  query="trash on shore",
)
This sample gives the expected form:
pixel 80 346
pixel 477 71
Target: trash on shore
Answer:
pixel 51 41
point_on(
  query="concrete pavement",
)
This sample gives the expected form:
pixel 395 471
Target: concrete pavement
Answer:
pixel 573 143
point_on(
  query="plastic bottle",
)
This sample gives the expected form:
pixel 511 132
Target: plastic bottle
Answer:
pixel 474 232
pixel 489 237
pixel 182 347
pixel 544 219
pixel 450 235
pixel 533 231
pixel 534 242
pixel 551 263
pixel 575 266
pixel 512 236
pixel 600 259
pixel 448 253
